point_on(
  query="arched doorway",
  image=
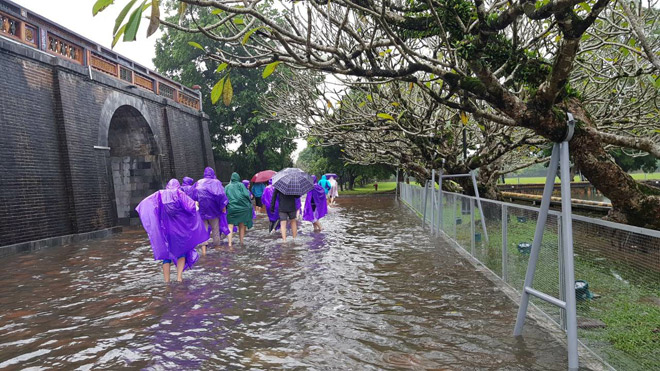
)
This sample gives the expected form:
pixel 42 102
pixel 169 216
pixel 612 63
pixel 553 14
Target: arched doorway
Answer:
pixel 134 160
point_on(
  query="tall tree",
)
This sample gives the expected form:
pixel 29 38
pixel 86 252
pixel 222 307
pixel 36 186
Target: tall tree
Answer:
pixel 261 142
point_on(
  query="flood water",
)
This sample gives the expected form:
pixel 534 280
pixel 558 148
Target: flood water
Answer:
pixel 372 291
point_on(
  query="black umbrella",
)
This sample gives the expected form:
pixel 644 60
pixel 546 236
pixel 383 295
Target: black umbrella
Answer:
pixel 293 181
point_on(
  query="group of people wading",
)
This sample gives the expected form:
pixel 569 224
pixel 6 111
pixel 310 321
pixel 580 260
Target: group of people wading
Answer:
pixel 181 217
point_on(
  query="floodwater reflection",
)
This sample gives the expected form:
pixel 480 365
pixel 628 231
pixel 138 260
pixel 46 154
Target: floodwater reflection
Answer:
pixel 372 291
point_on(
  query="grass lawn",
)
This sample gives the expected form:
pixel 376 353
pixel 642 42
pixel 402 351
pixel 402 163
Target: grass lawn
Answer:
pixel 541 179
pixel 369 189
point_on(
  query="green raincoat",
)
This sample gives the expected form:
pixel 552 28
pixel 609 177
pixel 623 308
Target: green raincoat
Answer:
pixel 239 209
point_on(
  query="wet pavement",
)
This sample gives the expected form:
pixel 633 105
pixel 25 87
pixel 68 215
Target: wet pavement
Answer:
pixel 372 291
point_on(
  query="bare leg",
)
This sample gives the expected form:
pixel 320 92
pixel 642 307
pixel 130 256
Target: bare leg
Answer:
pixel 231 233
pixel 317 226
pixel 206 227
pixel 215 227
pixel 294 228
pixel 283 229
pixel 179 268
pixel 166 272
pixel 241 232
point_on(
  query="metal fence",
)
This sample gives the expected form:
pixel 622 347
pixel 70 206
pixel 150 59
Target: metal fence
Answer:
pixel 617 268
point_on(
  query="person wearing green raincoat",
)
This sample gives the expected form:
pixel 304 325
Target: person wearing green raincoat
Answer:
pixel 239 209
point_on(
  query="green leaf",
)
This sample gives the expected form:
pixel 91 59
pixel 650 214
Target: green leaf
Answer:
pixel 196 45
pixel 154 19
pixel 100 5
pixel 395 104
pixel 385 116
pixel 270 68
pixel 370 98
pixel 221 67
pixel 118 35
pixel 247 35
pixel 657 83
pixel 585 7
pixel 217 90
pixel 216 11
pixel 122 15
pixel 238 21
pixel 133 23
pixel 227 92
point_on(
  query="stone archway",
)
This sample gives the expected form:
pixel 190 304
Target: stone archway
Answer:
pixel 134 161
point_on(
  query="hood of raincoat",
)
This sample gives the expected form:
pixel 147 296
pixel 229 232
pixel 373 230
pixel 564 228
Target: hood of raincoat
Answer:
pixel 209 173
pixel 246 183
pixel 187 181
pixel 173 184
pixel 314 178
pixel 323 178
pixel 235 177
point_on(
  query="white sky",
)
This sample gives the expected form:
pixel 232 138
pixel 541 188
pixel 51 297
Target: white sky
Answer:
pixel 76 15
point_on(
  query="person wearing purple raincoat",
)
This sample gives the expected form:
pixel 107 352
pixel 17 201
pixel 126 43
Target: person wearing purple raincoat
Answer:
pixel 315 206
pixel 187 185
pixel 174 226
pixel 213 201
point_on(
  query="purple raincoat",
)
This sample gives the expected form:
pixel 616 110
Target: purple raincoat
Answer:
pixel 210 194
pixel 318 195
pixel 187 186
pixel 173 224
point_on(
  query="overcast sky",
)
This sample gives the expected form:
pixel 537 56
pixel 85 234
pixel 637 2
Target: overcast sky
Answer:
pixel 76 15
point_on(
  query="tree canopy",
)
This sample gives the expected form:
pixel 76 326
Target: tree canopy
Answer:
pixel 262 143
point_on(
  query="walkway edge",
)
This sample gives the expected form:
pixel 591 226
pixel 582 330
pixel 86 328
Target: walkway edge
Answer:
pixel 37 245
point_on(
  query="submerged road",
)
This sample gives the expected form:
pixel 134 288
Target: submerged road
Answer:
pixel 372 291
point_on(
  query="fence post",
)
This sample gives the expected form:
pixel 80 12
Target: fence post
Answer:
pixel 505 243
pixel 481 209
pixel 442 201
pixel 562 272
pixel 423 205
pixel 472 242
pixel 453 214
pixel 433 201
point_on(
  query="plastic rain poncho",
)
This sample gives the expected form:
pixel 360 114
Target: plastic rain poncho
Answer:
pixel 173 224
pixel 212 199
pixel 239 209
pixel 319 208
pixel 325 184
pixel 187 185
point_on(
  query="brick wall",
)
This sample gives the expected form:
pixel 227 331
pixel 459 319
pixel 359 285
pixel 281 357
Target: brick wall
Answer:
pixel 51 116
pixel 33 202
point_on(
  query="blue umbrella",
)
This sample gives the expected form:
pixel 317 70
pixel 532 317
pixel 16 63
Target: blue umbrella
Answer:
pixel 293 181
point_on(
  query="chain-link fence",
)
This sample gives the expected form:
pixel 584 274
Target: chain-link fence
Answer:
pixel 617 268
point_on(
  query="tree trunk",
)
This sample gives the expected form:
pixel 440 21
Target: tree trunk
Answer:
pixel 632 203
